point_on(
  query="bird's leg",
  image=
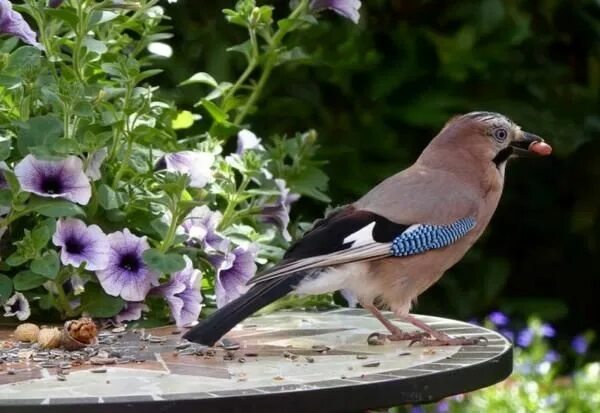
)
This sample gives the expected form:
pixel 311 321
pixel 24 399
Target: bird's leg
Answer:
pixel 396 333
pixel 439 338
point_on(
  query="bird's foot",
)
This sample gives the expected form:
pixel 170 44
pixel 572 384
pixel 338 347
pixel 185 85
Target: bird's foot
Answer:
pixel 451 341
pixel 379 338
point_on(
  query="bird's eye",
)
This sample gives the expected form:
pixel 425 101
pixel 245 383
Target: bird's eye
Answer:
pixel 500 134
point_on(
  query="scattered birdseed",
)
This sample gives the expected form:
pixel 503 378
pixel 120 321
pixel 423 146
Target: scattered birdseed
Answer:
pixel 99 370
pixel 320 348
pixel 251 354
pixel 362 356
pixel 278 378
pixel 372 364
pixel 406 353
pixel 242 360
pixel 309 359
pixel 61 377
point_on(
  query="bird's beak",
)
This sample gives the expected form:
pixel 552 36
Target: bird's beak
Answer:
pixel 530 145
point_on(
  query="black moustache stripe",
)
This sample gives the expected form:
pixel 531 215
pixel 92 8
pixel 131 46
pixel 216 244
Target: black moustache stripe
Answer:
pixel 502 156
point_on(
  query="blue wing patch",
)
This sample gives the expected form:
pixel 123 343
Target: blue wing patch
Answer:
pixel 420 238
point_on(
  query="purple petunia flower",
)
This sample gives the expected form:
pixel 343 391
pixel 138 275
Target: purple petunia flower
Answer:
pixel 14 24
pixel 54 179
pixel 416 409
pixel 247 140
pixel 126 275
pixel 201 224
pixel 552 356
pixel 346 8
pixel 92 170
pixel 498 318
pixel 183 298
pixel 508 334
pixel 442 407
pixel 580 344
pixel 17 305
pixel 278 213
pixel 131 312
pixel 80 243
pixel 234 269
pixel 546 330
pixel 197 165
pixel 525 337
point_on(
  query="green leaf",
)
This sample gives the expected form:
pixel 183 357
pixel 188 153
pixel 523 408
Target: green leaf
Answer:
pixel 217 114
pixel 95 46
pixel 243 48
pixel 55 207
pixel 9 82
pixel 40 236
pixel 108 198
pixel 83 109
pixel 5 144
pixel 28 280
pixel 64 14
pixel 184 120
pixel 97 303
pixel 147 73
pixel 15 260
pixel 99 17
pixel 47 266
pixel 6 287
pixel 161 262
pixel 5 197
pixel 38 131
pixel 24 58
pixel 200 77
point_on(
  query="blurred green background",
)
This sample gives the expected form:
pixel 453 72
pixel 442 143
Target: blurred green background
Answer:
pixel 381 90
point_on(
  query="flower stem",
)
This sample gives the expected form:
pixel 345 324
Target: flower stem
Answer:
pixel 271 57
pixel 232 203
pixel 171 232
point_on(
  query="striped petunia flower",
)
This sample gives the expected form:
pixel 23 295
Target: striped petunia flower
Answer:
pixel 182 295
pixel 80 244
pixel 14 24
pixel 346 8
pixel 126 275
pixel 55 179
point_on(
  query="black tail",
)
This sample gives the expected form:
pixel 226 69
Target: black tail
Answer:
pixel 209 331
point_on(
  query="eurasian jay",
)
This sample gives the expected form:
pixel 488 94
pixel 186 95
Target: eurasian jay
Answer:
pixel 399 239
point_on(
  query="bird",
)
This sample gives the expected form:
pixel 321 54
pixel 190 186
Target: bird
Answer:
pixel 396 241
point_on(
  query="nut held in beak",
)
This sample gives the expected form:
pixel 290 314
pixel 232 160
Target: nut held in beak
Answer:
pixel 540 148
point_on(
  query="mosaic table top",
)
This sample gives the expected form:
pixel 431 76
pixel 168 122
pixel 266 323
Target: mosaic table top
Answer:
pixel 286 361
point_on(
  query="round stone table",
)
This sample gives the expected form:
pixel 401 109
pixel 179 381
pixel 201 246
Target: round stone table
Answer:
pixel 286 362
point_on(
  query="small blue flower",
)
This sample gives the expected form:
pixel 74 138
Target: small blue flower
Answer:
pixel 508 334
pixel 552 356
pixel 498 318
pixel 547 330
pixel 580 344
pixel 525 337
pixel 443 407
pixel 417 409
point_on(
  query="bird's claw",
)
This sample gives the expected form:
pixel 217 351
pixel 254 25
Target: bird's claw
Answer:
pixel 376 339
pixel 451 341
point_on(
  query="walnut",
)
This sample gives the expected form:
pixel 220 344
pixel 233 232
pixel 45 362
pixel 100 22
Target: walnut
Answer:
pixel 27 332
pixel 79 333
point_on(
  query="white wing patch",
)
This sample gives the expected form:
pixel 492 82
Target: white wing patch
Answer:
pixel 363 236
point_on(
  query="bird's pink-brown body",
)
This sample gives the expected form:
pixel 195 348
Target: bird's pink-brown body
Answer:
pixel 399 238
